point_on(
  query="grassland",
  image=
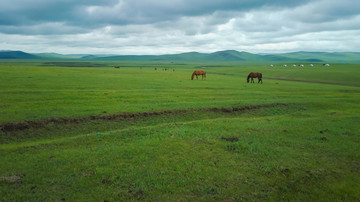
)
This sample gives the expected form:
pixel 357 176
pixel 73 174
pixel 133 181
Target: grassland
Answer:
pixel 98 133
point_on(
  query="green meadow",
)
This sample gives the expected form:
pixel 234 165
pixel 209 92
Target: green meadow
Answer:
pixel 86 131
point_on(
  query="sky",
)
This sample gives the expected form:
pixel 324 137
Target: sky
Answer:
pixel 153 27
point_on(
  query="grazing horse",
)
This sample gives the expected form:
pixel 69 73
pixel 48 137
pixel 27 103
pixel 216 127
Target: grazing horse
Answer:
pixel 254 75
pixel 197 73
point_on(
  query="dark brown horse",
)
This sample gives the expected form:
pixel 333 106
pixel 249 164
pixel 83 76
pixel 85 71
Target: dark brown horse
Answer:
pixel 253 75
pixel 197 73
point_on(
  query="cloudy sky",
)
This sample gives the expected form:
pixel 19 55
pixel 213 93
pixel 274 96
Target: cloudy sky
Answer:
pixel 175 26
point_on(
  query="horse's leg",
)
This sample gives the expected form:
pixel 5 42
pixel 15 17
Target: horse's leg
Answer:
pixel 252 80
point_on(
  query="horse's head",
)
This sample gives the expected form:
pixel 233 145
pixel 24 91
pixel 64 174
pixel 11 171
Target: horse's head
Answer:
pixel 248 77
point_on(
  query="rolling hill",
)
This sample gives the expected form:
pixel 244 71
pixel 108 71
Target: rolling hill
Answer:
pixel 338 57
pixel 17 55
pixel 55 56
pixel 235 56
pixel 219 56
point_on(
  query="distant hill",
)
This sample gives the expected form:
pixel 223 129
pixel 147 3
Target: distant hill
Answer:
pixel 335 57
pixel 235 56
pixel 55 56
pixel 220 56
pixel 16 55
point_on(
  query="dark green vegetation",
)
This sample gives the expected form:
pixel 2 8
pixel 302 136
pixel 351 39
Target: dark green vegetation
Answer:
pixel 82 130
pixel 16 55
pixel 220 56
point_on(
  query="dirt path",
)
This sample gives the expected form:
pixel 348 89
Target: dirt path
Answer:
pixel 311 81
pixel 297 80
pixel 16 126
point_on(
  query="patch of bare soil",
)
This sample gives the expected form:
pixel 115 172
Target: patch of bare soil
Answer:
pixel 7 127
pixel 105 181
pixel 323 138
pixel 324 131
pixel 230 139
pixel 12 178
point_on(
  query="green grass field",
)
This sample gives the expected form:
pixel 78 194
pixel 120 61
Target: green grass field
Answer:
pixel 85 131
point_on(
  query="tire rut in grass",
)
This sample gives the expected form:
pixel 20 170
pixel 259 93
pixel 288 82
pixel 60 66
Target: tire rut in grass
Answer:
pixel 312 81
pixel 18 126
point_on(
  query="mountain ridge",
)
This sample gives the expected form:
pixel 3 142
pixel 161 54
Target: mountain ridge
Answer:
pixel 218 56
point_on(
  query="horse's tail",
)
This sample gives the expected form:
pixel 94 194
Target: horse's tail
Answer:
pixel 192 76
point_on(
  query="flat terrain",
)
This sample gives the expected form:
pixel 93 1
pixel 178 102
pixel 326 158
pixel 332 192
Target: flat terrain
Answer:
pixel 87 131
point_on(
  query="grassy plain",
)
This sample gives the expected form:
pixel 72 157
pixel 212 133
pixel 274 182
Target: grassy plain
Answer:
pixel 297 138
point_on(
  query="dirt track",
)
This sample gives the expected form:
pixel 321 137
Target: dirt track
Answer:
pixel 297 80
pixel 7 127
pixel 310 81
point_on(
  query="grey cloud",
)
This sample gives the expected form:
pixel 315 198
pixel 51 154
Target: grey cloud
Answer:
pixel 152 11
pixel 20 12
pixel 42 29
pixel 95 13
pixel 163 26
pixel 324 11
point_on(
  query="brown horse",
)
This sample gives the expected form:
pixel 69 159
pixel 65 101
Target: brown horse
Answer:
pixel 197 73
pixel 253 75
